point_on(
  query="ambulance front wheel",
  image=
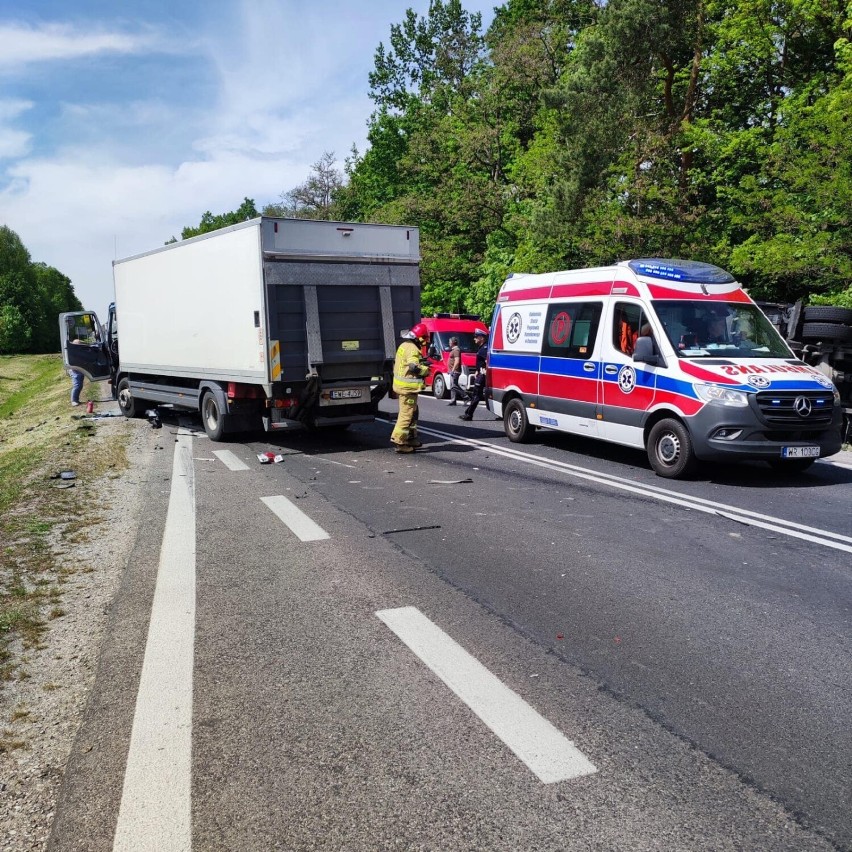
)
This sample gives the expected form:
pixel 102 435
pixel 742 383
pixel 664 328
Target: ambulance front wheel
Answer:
pixel 516 423
pixel 670 449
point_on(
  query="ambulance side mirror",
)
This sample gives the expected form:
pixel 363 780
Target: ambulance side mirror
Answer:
pixel 643 352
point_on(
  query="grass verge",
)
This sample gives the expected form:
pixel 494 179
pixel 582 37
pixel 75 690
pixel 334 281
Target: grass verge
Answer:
pixel 39 437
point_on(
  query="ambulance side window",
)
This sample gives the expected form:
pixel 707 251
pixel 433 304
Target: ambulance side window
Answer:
pixel 572 328
pixel 627 320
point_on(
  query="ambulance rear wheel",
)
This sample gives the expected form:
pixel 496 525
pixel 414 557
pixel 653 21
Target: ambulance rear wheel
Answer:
pixel 670 449
pixel 516 423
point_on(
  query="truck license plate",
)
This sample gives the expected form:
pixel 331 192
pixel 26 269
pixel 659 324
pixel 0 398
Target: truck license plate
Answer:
pixel 349 393
pixel 800 452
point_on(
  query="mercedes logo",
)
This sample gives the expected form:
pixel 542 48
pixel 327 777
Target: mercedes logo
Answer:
pixel 802 406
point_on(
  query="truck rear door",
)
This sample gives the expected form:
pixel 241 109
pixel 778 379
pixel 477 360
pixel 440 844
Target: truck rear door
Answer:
pixel 84 345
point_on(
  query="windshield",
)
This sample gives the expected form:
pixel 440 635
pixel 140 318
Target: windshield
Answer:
pixel 466 341
pixel 702 329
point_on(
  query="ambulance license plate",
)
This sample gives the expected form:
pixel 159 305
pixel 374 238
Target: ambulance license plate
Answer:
pixel 799 452
pixel 349 393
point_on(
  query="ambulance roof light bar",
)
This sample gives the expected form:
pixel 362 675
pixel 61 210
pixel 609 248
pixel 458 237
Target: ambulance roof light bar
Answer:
pixel 673 269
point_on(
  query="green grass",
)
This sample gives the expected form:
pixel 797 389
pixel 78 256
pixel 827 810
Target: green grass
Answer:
pixel 39 437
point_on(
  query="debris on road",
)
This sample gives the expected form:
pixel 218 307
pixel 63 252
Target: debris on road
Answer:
pixel 412 529
pixel 449 481
pixel 270 458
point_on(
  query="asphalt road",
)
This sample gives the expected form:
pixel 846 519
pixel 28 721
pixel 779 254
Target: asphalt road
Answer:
pixel 675 654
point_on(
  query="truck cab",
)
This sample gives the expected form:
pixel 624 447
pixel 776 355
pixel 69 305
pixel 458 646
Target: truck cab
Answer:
pixel 442 327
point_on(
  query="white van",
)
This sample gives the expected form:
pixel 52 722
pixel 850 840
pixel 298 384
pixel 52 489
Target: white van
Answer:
pixel 671 356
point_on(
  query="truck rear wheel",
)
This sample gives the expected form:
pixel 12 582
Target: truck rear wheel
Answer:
pixel 670 449
pixel 516 423
pixel 212 417
pixel 828 313
pixel 827 331
pixel 129 406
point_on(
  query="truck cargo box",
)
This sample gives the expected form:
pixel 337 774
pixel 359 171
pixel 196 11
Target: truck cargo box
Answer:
pixel 284 322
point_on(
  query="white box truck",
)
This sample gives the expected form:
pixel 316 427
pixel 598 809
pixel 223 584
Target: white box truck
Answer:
pixel 273 323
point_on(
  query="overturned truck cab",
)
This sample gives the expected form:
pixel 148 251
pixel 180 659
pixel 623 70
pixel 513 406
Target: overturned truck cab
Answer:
pixel 270 324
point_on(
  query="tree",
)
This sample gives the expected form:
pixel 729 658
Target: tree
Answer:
pixel 17 293
pixel 15 332
pixel 209 222
pixel 32 295
pixel 316 197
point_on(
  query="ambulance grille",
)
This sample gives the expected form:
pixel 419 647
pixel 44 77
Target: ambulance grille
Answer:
pixel 796 408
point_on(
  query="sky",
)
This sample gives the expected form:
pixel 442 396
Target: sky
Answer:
pixel 122 123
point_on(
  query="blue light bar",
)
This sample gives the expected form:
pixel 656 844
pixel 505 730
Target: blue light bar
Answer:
pixel 672 269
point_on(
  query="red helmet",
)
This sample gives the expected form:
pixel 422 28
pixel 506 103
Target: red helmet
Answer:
pixel 420 331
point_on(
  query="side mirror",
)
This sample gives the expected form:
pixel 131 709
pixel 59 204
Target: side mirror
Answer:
pixel 433 353
pixel 643 351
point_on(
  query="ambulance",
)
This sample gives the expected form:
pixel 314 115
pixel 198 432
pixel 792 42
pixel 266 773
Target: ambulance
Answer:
pixel 666 355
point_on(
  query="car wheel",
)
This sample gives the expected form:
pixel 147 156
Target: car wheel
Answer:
pixel 516 423
pixel 439 386
pixel 212 417
pixel 670 449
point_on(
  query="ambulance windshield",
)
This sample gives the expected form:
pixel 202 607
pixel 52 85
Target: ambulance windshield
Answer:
pixel 704 329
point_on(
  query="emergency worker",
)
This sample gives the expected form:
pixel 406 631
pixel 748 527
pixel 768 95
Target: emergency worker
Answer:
pixel 409 372
pixel 480 339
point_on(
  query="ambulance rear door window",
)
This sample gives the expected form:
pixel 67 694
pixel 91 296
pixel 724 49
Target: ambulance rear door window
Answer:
pixel 572 328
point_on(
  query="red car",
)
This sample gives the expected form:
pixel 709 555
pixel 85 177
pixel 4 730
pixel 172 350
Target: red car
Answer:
pixel 441 328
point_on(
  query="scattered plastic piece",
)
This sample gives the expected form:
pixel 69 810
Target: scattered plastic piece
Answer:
pixel 154 418
pixel 64 474
pixel 449 481
pixel 269 458
pixel 412 529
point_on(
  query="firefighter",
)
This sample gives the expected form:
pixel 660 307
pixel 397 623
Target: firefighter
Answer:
pixel 409 372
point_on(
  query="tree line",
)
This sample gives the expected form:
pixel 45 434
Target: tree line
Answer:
pixel 576 133
pixel 32 295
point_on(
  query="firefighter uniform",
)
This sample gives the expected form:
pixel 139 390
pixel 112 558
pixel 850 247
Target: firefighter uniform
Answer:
pixel 409 373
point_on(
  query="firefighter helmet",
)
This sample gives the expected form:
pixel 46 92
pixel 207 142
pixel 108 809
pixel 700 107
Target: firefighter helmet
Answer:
pixel 420 331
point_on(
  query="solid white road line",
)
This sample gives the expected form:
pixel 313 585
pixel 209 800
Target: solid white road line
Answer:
pixel 230 460
pixel 155 811
pixel 826 538
pixel 295 519
pixel 547 752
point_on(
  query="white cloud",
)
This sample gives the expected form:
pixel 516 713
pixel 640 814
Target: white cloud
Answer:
pixel 264 88
pixel 23 45
pixel 13 143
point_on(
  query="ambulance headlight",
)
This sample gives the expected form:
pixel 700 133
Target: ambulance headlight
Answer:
pixel 723 396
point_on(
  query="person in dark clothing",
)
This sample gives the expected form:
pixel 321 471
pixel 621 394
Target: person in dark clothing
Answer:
pixel 479 381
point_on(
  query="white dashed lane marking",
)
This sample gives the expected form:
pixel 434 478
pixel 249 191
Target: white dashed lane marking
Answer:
pixel 545 750
pixel 295 519
pixel 230 460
